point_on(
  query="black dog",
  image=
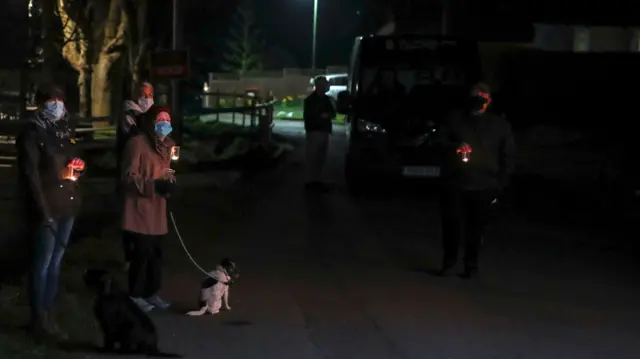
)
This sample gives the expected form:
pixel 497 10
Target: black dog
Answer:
pixel 122 322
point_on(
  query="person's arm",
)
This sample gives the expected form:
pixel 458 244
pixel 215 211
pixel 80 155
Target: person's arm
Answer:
pixel 308 113
pixel 443 133
pixel 506 159
pixel 133 125
pixel 131 174
pixel 128 125
pixel 29 158
pixel 332 109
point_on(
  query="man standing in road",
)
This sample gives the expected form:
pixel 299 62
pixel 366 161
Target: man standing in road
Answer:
pixel 318 116
pixel 479 148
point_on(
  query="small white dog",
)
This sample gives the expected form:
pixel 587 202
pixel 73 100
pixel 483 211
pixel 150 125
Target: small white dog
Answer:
pixel 214 291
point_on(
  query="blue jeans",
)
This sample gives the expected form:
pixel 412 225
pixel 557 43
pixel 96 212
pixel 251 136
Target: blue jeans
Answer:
pixel 49 246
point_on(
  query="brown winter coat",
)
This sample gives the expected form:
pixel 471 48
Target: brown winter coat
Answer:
pixel 144 212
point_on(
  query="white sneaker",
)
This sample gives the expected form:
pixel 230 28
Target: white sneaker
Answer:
pixel 143 304
pixel 156 301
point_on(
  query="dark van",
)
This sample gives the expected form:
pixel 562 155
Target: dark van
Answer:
pixel 401 87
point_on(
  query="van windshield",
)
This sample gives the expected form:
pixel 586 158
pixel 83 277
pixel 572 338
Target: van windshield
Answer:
pixel 404 78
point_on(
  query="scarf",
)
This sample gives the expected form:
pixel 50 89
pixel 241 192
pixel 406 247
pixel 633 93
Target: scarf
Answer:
pixel 59 129
pixel 131 111
pixel 163 149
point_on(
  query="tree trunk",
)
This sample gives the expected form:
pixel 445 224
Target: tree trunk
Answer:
pixel 101 88
pixel 83 92
pixel 48 42
pixel 135 80
pixel 117 77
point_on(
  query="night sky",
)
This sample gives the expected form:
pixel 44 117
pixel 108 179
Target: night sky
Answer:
pixel 286 25
pixel 286 29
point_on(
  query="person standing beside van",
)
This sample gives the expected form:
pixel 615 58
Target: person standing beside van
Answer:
pixel 318 113
pixel 479 159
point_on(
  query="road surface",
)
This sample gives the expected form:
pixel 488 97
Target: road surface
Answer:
pixel 328 277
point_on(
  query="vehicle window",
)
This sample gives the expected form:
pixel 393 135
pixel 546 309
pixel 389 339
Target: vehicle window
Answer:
pixel 339 81
pixel 409 75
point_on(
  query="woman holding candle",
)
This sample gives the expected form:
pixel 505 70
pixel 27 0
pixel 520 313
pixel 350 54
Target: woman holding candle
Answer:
pixel 147 182
pixel 48 171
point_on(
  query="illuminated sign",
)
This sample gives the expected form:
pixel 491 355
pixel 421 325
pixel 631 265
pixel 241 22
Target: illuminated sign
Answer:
pixel 171 64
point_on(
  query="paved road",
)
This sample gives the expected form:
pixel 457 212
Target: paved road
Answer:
pixel 327 277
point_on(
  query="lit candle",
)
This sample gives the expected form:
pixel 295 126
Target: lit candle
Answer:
pixel 175 153
pixel 464 153
pixel 68 173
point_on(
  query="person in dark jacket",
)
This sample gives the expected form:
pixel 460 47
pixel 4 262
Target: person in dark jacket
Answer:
pixel 133 111
pixel 318 113
pixel 48 172
pixel 146 184
pixel 479 149
pixel 127 128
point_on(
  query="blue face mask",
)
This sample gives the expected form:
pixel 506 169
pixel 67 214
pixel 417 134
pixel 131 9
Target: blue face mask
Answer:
pixel 163 128
pixel 53 110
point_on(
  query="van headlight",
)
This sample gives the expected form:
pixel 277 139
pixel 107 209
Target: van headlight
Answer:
pixel 366 126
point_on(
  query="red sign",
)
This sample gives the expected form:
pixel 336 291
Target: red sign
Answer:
pixel 171 64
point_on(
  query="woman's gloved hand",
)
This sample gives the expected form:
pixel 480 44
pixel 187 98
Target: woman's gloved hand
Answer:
pixel 165 187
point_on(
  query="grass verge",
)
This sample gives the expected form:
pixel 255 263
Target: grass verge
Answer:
pixel 292 110
pixel 73 307
pixel 198 211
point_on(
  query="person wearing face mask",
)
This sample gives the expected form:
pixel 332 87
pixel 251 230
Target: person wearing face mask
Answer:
pixel 479 151
pixel 146 185
pixel 318 113
pixel 127 128
pixel 48 172
pixel 133 112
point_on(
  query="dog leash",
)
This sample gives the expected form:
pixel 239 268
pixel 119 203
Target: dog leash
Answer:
pixel 186 250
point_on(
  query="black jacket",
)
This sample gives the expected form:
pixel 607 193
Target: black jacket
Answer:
pixel 492 158
pixel 44 150
pixel 314 106
pixel 123 136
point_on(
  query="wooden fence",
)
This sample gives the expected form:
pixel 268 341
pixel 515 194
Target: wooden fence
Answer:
pixel 246 110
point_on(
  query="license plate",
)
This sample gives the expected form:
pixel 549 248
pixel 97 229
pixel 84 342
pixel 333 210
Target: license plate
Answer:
pixel 421 171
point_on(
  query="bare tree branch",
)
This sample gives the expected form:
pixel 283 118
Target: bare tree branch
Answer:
pixel 75 46
pixel 115 30
pixel 137 42
pixel 75 25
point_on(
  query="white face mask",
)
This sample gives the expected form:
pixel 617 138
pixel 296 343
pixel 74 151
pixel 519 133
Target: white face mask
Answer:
pixel 145 103
pixel 53 110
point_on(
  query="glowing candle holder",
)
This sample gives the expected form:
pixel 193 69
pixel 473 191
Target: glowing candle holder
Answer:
pixel 175 153
pixel 464 153
pixel 69 174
